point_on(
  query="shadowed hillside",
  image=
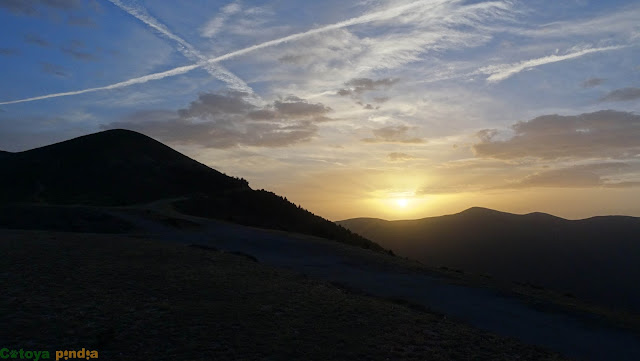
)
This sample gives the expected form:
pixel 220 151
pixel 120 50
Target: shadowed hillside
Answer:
pixel 596 258
pixel 142 299
pixel 122 167
pixel 114 167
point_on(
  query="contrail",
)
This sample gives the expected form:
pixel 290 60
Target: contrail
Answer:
pixel 376 16
pixel 183 46
pixel 140 80
pixel 501 72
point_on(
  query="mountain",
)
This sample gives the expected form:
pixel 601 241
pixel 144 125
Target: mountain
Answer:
pixel 113 167
pixel 597 259
pixel 121 167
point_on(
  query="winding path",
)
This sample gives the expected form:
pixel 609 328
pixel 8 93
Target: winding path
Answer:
pixel 574 335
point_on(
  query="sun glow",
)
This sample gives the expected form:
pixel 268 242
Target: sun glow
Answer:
pixel 402 202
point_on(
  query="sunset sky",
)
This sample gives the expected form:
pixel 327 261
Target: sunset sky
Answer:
pixel 394 109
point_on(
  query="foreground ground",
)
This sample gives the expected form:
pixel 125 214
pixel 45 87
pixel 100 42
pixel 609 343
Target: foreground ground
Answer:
pixel 133 298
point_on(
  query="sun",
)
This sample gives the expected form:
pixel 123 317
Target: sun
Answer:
pixel 402 202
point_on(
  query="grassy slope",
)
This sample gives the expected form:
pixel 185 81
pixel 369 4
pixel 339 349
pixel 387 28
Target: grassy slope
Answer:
pixel 140 299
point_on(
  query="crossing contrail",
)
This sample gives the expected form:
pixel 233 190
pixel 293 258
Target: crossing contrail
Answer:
pixel 386 14
pixel 184 47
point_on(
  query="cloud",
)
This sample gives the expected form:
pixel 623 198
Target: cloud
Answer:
pixel 291 107
pixel 605 133
pixel 35 39
pixel 29 7
pixel 593 82
pixel 292 59
pixel 225 120
pixel 589 175
pixel 76 50
pixel 191 53
pixel 54 70
pixel 393 134
pixel 399 157
pixel 377 16
pixel 212 104
pixel 611 24
pixel 359 86
pixel 8 51
pixel 622 95
pixel 80 21
pixel 501 72
pixel 139 80
pixel 213 26
pixel 294 107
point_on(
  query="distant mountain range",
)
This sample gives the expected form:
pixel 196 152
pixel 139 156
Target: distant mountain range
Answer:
pixel 597 259
pixel 121 167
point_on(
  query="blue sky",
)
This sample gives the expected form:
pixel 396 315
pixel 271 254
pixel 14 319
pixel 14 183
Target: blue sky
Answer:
pixel 347 107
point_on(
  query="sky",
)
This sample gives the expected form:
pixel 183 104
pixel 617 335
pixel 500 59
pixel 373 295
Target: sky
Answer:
pixel 395 109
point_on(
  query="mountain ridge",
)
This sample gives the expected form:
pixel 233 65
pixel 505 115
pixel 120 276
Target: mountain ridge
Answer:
pixel 594 258
pixel 484 210
pixel 121 168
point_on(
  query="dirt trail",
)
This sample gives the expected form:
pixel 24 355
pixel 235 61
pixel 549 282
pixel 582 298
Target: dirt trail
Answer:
pixel 574 335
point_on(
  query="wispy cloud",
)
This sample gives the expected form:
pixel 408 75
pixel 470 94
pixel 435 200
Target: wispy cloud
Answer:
pixel 393 134
pixel 80 21
pixel 214 25
pixel 587 175
pixel 54 69
pixel 184 47
pixel 399 157
pixel 30 7
pixel 619 22
pixel 8 51
pixel 501 72
pixel 77 50
pixel 382 15
pixel 126 83
pixel 593 82
pixel 622 95
pixel 35 39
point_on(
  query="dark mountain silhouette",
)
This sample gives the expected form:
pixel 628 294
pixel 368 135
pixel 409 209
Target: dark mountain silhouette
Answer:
pixel 114 167
pixel 597 259
pixel 121 167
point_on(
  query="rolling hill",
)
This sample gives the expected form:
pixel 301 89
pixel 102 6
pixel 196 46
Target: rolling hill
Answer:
pixel 121 167
pixel 597 259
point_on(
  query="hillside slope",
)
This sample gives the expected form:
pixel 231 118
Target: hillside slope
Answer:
pixel 114 167
pixel 141 299
pixel 597 258
pixel 121 167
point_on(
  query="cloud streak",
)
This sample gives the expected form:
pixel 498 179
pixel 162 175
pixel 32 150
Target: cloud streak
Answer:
pixel 393 134
pixel 184 47
pixel 214 25
pixel 382 15
pixel 579 176
pixel 498 73
pixel 126 83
